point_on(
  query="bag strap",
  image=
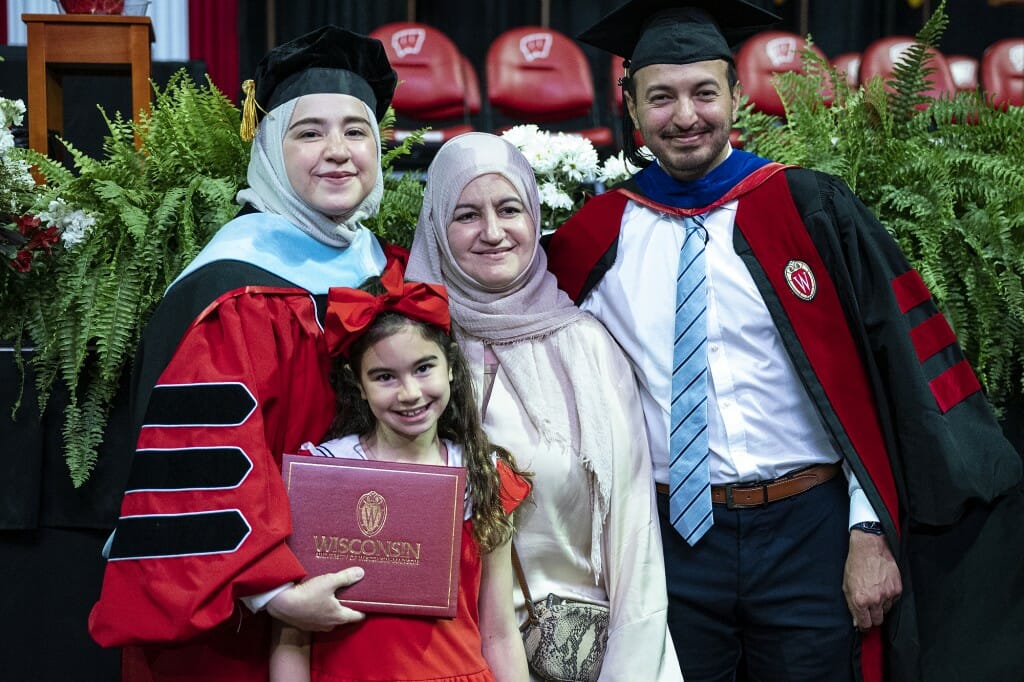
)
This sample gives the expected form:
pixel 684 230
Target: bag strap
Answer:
pixel 490 373
pixel 531 614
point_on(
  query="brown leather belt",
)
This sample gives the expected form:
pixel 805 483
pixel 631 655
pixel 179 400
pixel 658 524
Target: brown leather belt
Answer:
pixel 747 495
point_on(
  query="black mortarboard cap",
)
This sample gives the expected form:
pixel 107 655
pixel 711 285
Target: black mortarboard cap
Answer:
pixel 329 59
pixel 676 31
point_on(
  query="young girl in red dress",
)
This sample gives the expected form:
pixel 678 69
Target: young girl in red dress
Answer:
pixel 405 394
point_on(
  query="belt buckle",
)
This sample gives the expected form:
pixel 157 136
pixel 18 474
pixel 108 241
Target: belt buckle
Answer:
pixel 731 504
pixel 728 497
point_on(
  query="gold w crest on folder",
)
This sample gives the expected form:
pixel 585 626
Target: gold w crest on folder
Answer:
pixel 372 511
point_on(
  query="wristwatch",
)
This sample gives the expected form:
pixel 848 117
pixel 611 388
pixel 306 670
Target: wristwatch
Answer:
pixel 872 527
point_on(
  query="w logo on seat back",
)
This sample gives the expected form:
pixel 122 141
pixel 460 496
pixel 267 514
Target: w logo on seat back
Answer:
pixel 781 51
pixel 535 46
pixel 408 41
pixel 897 50
pixel 1017 58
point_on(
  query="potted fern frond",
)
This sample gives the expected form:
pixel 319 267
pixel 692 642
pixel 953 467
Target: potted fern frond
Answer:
pixel 945 177
pixel 403 192
pixel 129 222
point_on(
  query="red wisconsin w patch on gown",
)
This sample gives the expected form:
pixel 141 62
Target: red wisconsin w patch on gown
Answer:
pixel 801 280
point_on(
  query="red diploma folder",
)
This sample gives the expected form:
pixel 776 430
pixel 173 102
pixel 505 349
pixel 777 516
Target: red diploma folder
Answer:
pixel 401 522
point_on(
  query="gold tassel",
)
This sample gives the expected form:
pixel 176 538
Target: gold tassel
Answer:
pixel 248 127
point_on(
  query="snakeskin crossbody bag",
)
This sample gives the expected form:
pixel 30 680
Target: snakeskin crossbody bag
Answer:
pixel 564 638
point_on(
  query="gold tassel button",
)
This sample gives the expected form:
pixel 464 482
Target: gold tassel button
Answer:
pixel 248 128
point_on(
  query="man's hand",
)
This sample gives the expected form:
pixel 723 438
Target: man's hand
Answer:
pixel 871 581
pixel 312 606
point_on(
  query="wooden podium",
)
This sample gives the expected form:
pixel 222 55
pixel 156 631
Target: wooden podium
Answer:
pixel 87 44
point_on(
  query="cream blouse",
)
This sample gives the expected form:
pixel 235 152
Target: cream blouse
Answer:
pixel 554 528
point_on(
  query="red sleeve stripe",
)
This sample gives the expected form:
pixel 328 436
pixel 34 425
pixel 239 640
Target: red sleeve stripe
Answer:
pixel 910 290
pixel 931 336
pixel 954 385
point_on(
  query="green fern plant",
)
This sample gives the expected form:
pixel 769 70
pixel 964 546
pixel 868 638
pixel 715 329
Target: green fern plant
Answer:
pixel 155 206
pixel 943 176
pixel 403 192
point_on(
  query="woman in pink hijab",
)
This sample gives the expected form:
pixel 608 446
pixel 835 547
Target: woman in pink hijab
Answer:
pixel 557 392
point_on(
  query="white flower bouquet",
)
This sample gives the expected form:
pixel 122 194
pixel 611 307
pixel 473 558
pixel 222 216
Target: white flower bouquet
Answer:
pixel 567 170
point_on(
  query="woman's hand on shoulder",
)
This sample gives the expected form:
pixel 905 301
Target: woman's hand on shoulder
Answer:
pixel 313 606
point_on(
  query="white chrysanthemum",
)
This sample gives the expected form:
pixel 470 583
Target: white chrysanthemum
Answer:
pixel 531 141
pixel 572 158
pixel 12 112
pixel 521 136
pixel 545 163
pixel 536 146
pixel 616 169
pixel 553 196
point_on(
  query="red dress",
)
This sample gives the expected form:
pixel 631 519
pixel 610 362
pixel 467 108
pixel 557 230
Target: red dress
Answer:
pixel 389 647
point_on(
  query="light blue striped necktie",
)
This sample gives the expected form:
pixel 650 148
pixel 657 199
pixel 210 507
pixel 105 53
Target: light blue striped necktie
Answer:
pixel 689 476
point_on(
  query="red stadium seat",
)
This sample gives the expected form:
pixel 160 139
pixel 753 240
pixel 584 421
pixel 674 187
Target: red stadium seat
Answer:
pixel 881 55
pixel 1002 72
pixel 849 64
pixel 432 81
pixel 763 55
pixel 964 70
pixel 539 75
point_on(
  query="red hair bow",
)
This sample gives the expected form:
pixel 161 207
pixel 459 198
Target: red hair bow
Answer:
pixel 351 311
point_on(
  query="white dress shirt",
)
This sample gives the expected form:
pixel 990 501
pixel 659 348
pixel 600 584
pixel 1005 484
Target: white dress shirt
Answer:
pixel 761 422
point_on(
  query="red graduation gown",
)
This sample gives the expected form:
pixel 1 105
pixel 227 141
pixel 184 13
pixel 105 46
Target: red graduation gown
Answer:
pixel 894 390
pixel 232 373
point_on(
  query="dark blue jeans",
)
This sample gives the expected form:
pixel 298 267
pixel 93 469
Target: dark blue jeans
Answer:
pixel 764 586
